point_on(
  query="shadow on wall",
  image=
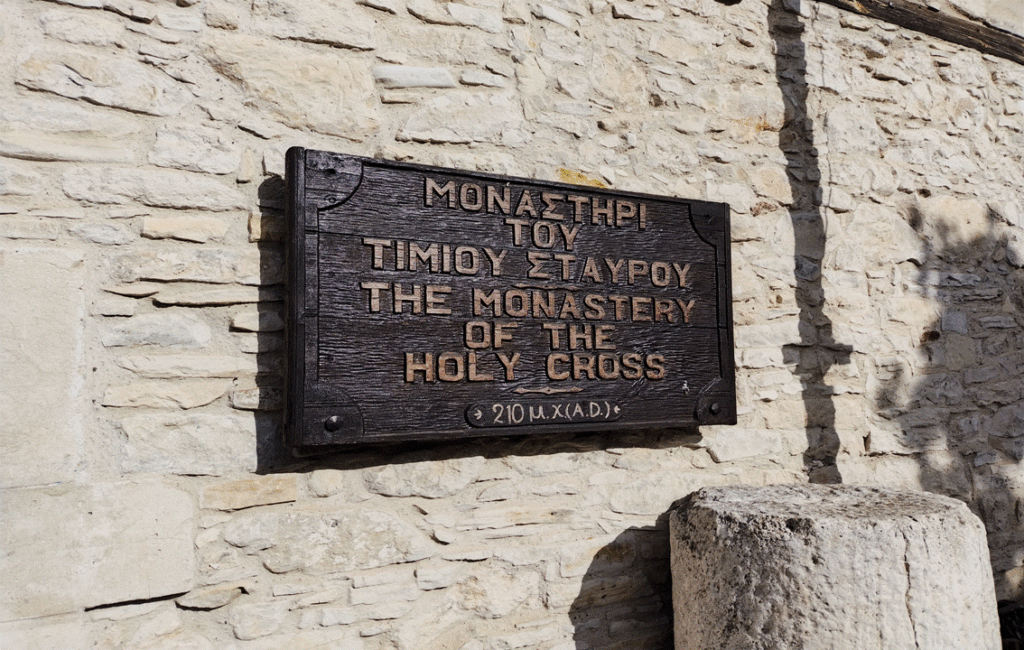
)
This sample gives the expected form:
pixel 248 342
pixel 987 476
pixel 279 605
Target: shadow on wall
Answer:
pixel 268 231
pixel 958 409
pixel 818 351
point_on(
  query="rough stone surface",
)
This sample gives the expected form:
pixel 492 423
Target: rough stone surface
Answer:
pixel 428 479
pixel 824 566
pixel 103 543
pixel 115 81
pixel 159 394
pixel 262 491
pixel 43 387
pixel 161 189
pixel 320 92
pixel 324 543
pixel 200 443
pixel 176 330
pixel 407 76
pixel 874 179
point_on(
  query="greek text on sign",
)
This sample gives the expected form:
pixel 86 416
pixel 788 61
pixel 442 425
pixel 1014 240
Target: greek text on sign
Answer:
pixel 430 303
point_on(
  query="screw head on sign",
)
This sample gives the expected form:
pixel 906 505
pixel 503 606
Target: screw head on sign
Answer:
pixel 715 408
pixel 333 423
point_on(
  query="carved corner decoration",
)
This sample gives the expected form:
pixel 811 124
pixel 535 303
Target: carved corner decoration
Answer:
pixel 429 303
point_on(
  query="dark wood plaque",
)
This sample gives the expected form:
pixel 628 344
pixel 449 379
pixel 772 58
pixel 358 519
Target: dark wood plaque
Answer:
pixel 430 303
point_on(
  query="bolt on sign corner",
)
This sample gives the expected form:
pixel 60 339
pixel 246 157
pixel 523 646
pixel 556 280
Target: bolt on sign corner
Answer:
pixel 430 303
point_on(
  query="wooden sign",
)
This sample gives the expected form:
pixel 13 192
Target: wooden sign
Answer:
pixel 430 303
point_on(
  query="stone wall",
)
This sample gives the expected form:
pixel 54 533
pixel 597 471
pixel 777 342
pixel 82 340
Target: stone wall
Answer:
pixel 878 240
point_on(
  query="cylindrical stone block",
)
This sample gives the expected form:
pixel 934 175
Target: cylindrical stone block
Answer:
pixel 813 566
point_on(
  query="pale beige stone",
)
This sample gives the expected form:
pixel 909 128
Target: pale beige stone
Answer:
pixel 24 228
pixel 407 76
pixel 115 81
pixel 194 229
pixel 199 264
pixel 195 443
pixel 67 26
pixel 461 119
pixel 162 189
pixel 42 361
pixel 332 22
pixel 251 620
pixel 19 179
pixel 173 366
pixel 430 479
pixel 195 148
pixel 164 329
pixel 215 296
pixel 319 543
pixel 222 15
pixel 315 639
pixel 64 631
pixel 107 234
pixel 916 566
pixel 163 394
pixel 729 444
pixel 73 546
pixel 247 493
pixel 302 89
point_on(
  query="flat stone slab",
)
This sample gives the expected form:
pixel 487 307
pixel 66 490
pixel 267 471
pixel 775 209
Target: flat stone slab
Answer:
pixel 813 566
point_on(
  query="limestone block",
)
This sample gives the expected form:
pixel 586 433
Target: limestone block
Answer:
pixel 199 264
pixel 430 479
pixel 67 26
pixel 816 566
pixel 115 81
pixel 247 493
pixel 730 443
pixel 66 631
pixel 327 94
pixel 160 189
pixel 187 228
pixel 68 547
pixel 318 543
pixel 186 366
pixel 107 234
pixel 464 118
pixel 163 394
pixel 408 76
pixel 335 23
pixel 195 149
pixel 165 329
pixel 852 129
pixel 39 229
pixel 470 16
pixel 197 443
pixel 253 620
pixel 19 179
pixel 207 598
pixel 215 296
pixel 42 364
pixel 317 639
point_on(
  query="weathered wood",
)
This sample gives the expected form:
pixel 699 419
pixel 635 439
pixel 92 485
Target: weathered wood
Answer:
pixel 948 27
pixel 432 303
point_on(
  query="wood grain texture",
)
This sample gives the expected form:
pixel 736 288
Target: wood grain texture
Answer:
pixel 366 367
pixel 948 27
